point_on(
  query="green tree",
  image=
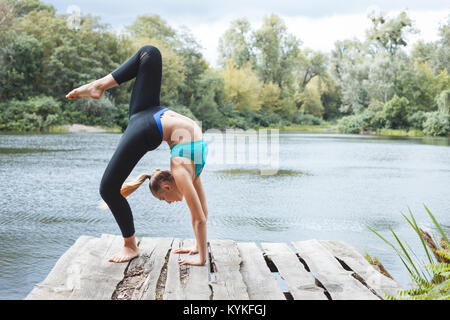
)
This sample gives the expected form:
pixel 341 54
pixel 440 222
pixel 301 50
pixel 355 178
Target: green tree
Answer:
pixel 309 99
pixel 237 44
pixel 389 34
pixel 7 13
pixel 208 100
pixel 23 7
pixel 275 51
pixel 443 102
pixel 270 96
pixel 241 87
pixel 350 66
pixel 194 66
pixel 395 112
pixel 440 58
pixel 309 65
pixel 152 27
pixel 21 67
pixel 379 84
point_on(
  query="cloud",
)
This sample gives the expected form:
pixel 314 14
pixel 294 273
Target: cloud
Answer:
pixel 319 24
pixel 321 33
pixel 210 11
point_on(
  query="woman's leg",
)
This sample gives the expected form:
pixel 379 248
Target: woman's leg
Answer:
pixel 94 89
pixel 146 66
pixel 132 147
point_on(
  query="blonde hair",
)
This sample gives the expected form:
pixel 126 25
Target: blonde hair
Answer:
pixel 156 179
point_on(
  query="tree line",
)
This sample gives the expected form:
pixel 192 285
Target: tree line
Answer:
pixel 265 77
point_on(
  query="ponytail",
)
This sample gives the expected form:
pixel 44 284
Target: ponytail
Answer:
pixel 127 189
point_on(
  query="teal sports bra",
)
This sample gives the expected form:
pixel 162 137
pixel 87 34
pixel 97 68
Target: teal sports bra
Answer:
pixel 194 150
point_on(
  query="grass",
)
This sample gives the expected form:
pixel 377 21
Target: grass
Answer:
pixel 329 127
pixel 431 277
pixel 57 129
pixel 400 133
pixel 323 128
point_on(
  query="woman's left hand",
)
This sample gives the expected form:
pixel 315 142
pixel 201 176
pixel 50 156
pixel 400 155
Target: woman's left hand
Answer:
pixel 183 250
pixel 196 262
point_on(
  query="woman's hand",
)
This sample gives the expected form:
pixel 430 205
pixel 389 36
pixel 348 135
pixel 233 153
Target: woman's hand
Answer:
pixel 196 262
pixel 183 250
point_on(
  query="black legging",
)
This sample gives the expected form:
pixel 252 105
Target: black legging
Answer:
pixel 141 135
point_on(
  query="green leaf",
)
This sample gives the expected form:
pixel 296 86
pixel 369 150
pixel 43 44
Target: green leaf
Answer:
pixel 437 224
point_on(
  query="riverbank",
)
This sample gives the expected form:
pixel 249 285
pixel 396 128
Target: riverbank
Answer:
pixel 333 128
pixel 76 127
pixel 323 128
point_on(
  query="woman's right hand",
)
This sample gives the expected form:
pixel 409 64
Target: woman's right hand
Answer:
pixel 186 250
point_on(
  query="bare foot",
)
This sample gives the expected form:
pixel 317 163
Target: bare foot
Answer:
pixel 126 254
pixel 91 90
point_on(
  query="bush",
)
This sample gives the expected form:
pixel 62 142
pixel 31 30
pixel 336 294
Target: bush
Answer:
pixel 121 115
pixel 367 120
pixel 33 114
pixel 417 119
pixel 306 119
pixel 266 118
pixel 97 111
pixel 395 113
pixel 436 124
pixel 351 124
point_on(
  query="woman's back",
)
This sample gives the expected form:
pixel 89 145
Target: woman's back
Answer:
pixel 178 128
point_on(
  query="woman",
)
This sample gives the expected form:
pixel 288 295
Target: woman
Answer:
pixel 149 125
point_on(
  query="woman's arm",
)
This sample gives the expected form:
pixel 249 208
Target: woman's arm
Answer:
pixel 184 182
pixel 201 195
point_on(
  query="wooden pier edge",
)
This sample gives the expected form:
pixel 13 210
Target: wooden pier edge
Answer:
pixel 300 270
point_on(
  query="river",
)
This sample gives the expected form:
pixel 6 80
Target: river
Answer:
pixel 330 186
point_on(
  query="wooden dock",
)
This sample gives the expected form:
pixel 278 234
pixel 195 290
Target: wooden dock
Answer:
pixel 302 270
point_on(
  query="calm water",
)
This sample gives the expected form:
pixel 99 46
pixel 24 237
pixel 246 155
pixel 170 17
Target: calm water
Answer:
pixel 332 187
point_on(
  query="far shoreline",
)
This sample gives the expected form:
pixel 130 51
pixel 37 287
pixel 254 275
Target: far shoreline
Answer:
pixel 324 128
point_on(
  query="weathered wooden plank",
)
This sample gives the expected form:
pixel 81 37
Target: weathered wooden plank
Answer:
pixel 338 282
pixel 374 279
pixel 228 283
pixel 186 282
pixel 142 274
pixel 197 279
pixel 300 283
pixel 98 278
pixel 85 273
pixel 173 289
pixel 154 264
pixel 59 284
pixel 261 284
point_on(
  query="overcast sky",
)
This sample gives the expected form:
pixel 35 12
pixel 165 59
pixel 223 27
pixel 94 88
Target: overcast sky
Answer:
pixel 317 23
